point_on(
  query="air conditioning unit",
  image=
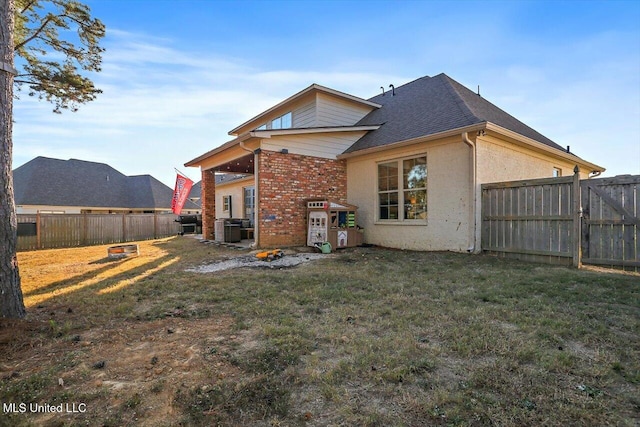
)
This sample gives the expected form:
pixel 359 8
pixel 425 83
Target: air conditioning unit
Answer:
pixel 218 229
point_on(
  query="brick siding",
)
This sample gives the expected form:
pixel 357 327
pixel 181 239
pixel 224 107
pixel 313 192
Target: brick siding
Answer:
pixel 208 199
pixel 286 181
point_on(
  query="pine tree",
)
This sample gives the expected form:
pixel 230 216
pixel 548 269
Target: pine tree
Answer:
pixel 30 30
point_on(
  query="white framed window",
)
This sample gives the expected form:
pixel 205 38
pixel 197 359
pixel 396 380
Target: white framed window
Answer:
pixel 226 203
pixel 557 172
pixel 402 189
pixel 282 122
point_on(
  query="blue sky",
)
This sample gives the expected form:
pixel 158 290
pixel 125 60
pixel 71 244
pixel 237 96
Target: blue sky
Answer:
pixel 177 76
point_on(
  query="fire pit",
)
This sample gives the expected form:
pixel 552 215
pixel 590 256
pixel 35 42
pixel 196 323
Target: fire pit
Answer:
pixel 122 251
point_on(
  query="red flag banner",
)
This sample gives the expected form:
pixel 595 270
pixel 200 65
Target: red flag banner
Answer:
pixel 180 193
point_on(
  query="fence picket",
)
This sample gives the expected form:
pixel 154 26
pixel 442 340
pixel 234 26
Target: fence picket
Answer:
pixel 71 230
pixel 541 220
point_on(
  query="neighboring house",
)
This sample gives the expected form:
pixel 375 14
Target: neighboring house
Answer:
pixel 412 159
pixel 195 193
pixel 45 185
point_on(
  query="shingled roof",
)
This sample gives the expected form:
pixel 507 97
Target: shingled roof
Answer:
pixel 430 105
pixel 55 182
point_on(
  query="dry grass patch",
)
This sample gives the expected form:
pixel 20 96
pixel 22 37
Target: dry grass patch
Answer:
pixel 367 337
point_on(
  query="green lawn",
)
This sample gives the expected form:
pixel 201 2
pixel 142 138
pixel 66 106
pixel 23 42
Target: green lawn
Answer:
pixel 366 337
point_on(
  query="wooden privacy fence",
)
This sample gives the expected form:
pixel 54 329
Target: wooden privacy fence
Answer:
pixel 564 220
pixel 611 221
pixel 49 231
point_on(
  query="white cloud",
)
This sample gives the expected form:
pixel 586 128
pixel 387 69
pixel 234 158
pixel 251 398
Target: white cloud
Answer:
pixel 161 107
pixel 164 105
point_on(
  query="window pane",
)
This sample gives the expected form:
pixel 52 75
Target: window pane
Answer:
pixel 286 121
pixel 387 176
pixel 415 204
pixel 275 124
pixel 393 212
pixel 384 212
pixel 414 173
pixel 393 198
pixel 393 177
pixel 388 203
pixel 383 183
pixel 388 190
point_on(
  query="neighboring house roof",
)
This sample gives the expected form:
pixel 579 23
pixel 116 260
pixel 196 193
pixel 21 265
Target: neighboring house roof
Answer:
pixel 226 178
pixel 431 105
pixel 196 191
pixel 55 182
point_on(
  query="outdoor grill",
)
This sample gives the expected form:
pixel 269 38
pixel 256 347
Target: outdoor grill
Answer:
pixel 190 223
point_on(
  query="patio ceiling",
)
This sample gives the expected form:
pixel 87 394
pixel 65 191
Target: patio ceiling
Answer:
pixel 241 165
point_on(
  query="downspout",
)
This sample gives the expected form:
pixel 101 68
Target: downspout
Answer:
pixel 256 159
pixel 473 197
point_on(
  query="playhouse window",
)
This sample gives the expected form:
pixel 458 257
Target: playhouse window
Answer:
pixel 402 189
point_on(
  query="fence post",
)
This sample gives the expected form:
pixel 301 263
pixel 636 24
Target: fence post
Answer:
pixel 155 225
pixel 577 219
pixel 38 231
pixel 85 227
pixel 124 226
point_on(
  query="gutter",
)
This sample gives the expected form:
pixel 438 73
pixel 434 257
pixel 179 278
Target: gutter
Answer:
pixel 473 196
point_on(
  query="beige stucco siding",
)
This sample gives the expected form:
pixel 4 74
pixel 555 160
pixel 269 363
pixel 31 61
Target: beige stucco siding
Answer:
pixel 234 189
pixel 332 111
pixel 448 193
pixel 325 145
pixel 499 160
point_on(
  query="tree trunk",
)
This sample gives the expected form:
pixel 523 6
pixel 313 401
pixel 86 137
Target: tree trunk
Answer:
pixel 11 302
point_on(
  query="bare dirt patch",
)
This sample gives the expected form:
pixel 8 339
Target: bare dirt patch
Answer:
pixel 134 368
pixel 250 261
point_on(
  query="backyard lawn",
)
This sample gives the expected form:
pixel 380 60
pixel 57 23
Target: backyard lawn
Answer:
pixel 364 337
